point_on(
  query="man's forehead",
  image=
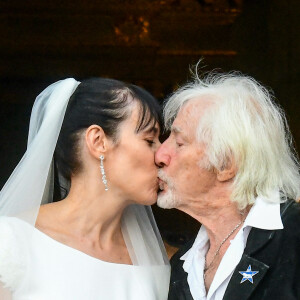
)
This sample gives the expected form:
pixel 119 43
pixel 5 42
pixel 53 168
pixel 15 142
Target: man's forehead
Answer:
pixel 199 103
pixel 184 122
pixel 189 115
pixel 191 110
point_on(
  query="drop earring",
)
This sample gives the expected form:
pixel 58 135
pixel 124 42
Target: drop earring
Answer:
pixel 104 180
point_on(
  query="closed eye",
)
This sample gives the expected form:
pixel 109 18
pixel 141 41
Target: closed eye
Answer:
pixel 179 143
pixel 150 142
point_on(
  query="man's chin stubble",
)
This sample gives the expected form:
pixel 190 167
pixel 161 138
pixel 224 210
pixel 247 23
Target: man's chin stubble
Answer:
pixel 167 201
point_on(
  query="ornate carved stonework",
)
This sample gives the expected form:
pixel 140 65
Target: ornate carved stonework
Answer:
pixel 132 31
pixel 99 34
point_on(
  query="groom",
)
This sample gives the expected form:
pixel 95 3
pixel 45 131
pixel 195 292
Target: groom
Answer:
pixel 228 164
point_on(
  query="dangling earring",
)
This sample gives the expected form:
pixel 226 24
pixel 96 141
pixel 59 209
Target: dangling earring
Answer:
pixel 103 173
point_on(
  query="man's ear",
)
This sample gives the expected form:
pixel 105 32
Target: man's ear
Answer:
pixel 96 140
pixel 228 172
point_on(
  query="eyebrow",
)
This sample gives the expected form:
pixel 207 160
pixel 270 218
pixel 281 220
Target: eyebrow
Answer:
pixel 152 130
pixel 176 129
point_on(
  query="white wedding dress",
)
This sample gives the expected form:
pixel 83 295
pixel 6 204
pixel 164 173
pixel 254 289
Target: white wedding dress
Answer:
pixel 36 267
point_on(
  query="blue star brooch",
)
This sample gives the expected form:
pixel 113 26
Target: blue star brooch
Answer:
pixel 247 275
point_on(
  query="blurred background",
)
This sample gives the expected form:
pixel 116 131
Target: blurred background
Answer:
pixel 152 43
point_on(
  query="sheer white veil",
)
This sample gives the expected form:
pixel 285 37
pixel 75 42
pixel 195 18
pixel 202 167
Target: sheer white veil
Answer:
pixel 31 184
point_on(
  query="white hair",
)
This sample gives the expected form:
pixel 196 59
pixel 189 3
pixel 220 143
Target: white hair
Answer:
pixel 242 126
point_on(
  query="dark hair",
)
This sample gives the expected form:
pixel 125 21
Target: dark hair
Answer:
pixel 103 102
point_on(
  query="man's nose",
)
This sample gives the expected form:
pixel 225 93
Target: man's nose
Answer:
pixel 162 157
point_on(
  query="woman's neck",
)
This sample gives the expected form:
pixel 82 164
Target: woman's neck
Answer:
pixel 87 212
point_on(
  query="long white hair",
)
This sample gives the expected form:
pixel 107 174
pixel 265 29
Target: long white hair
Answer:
pixel 244 126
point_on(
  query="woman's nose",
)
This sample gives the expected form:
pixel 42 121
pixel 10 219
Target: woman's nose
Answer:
pixel 162 157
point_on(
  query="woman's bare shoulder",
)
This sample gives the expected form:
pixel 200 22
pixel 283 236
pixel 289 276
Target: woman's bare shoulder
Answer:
pixel 51 222
pixel 48 214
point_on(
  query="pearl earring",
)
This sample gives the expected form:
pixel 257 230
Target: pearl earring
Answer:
pixel 104 180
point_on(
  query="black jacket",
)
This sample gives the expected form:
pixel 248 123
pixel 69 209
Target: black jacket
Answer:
pixel 274 253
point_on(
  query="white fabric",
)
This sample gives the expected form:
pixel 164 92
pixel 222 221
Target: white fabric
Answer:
pixel 31 184
pixel 24 191
pixel 12 256
pixel 51 270
pixel 263 215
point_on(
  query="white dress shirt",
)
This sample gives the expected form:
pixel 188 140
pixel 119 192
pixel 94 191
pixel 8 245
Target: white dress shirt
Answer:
pixel 263 215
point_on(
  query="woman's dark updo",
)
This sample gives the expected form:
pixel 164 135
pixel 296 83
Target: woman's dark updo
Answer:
pixel 103 102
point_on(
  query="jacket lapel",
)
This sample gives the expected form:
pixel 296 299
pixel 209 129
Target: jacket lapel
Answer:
pixel 258 239
pixel 236 290
pixel 179 285
pixel 182 290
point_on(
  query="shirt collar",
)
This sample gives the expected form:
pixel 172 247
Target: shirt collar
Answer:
pixel 265 213
pixel 200 242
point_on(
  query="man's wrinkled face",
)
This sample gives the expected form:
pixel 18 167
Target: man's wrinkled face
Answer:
pixel 183 179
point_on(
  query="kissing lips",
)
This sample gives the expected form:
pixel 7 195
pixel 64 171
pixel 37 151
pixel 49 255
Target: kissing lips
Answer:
pixel 162 186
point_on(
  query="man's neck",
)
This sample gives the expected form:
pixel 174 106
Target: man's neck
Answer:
pixel 216 212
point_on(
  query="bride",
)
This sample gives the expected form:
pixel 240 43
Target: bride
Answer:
pixel 75 218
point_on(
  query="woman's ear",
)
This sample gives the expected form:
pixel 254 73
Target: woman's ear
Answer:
pixel 228 172
pixel 96 140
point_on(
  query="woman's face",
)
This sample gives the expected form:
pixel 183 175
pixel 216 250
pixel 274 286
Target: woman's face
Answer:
pixel 130 167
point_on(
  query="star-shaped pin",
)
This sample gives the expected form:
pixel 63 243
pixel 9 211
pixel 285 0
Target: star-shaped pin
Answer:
pixel 247 275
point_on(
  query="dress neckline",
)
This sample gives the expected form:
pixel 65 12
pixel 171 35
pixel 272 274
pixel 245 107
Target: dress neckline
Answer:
pixel 69 248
